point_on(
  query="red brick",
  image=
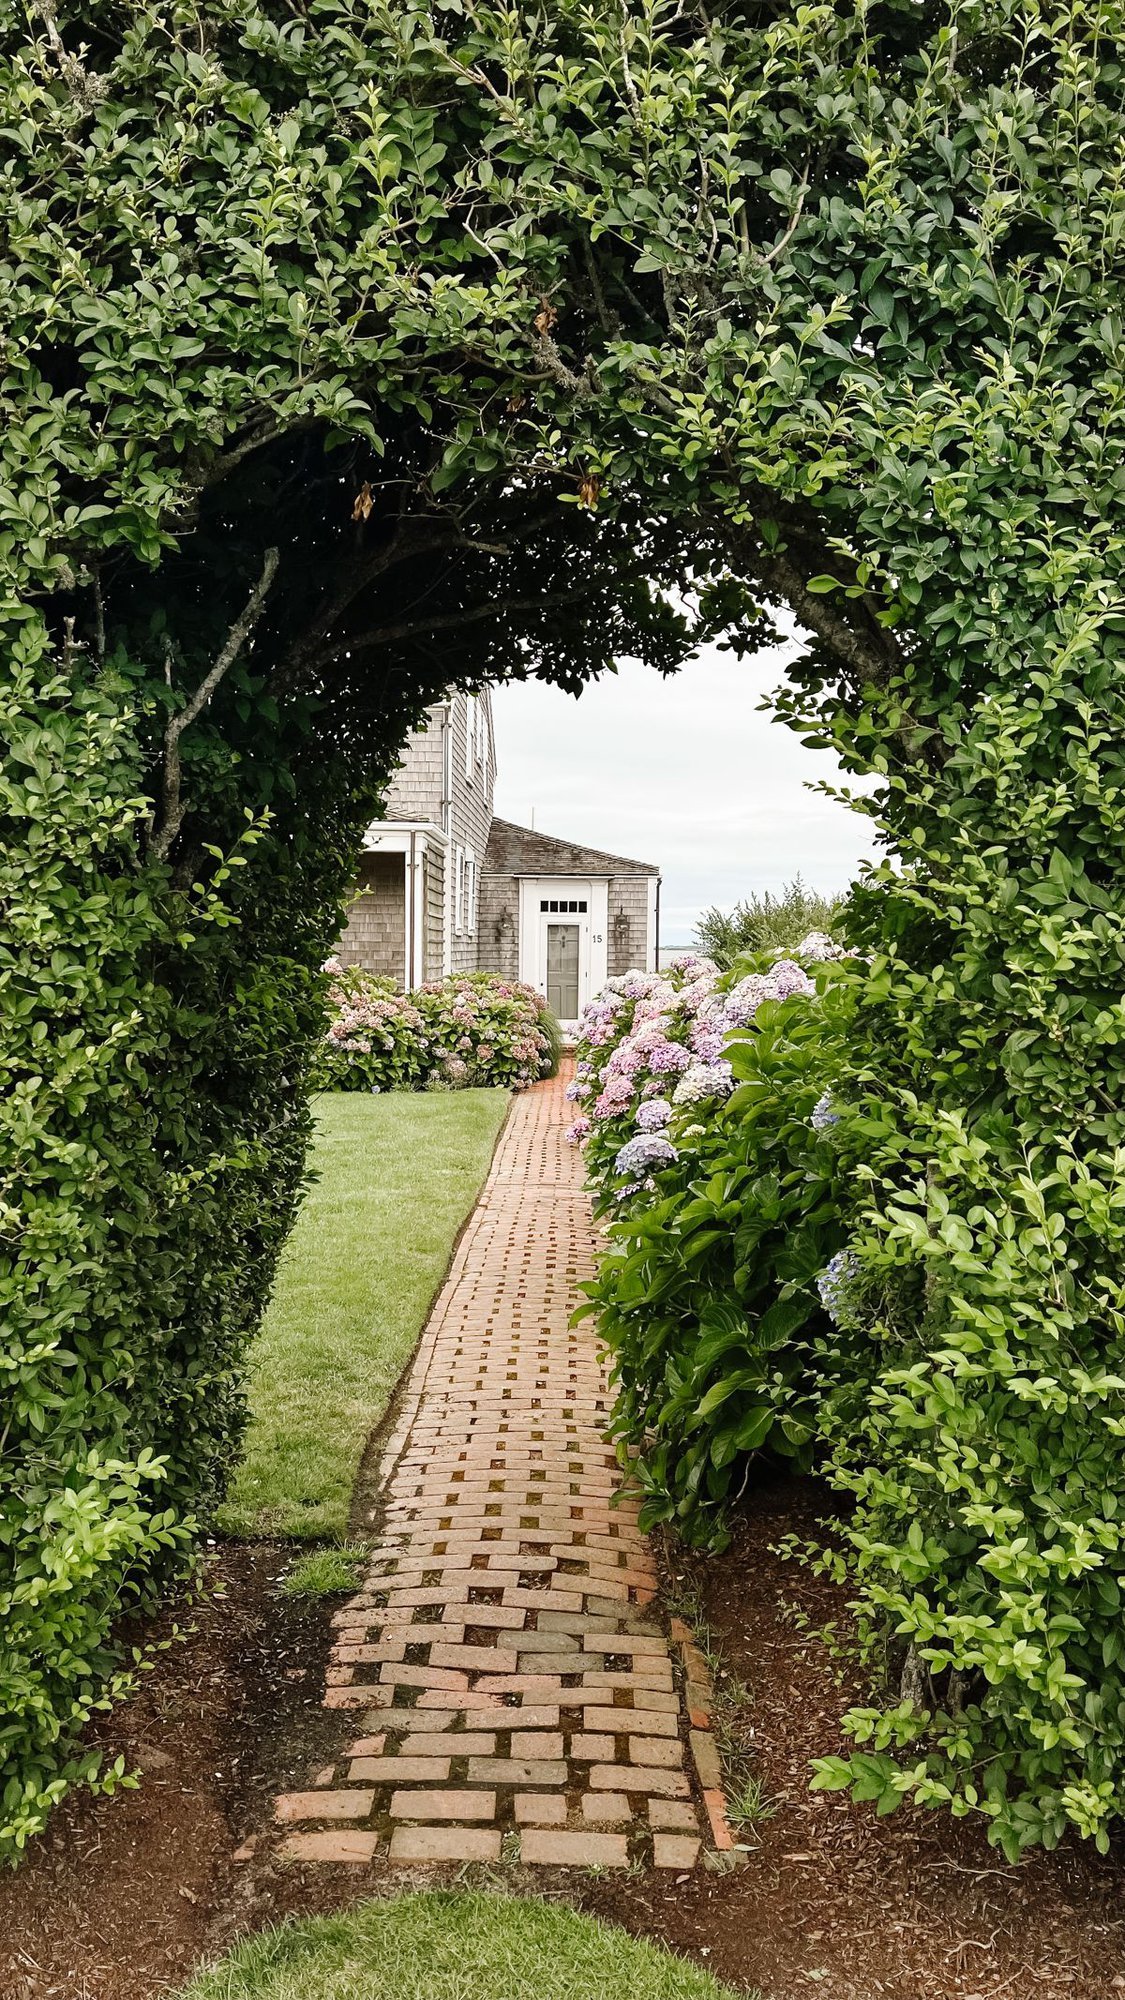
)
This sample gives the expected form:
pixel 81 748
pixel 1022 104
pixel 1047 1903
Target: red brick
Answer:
pixel 423 1677
pixel 592 1749
pixel 444 1843
pixel 672 1816
pixel 551 1849
pixel 452 1804
pixel 454 1743
pixel 539 1809
pixel 605 1806
pixel 402 1770
pixel 344 1844
pixel 665 1751
pixel 469 1698
pixel 717 1814
pixel 519 1684
pixel 322 1805
pixel 658 1784
pixel 674 1850
pixel 627 1721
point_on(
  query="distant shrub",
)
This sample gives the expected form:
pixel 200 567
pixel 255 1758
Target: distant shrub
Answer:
pixel 471 1030
pixel 767 923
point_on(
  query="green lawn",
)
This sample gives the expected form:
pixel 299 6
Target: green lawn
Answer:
pixel 397 1177
pixel 451 1946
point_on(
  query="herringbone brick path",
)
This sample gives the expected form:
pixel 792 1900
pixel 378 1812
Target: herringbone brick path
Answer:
pixel 517 1696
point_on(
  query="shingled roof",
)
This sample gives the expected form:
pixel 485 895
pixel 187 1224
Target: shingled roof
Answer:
pixel 521 850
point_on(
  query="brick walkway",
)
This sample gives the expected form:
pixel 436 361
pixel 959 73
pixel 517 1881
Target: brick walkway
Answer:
pixel 517 1697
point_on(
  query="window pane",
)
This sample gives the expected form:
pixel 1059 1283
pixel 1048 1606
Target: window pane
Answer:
pixel 562 970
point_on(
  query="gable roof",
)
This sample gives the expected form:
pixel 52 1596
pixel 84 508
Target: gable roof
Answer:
pixel 521 850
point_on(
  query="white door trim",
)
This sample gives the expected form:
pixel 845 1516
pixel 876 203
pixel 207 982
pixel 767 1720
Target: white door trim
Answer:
pixel 593 950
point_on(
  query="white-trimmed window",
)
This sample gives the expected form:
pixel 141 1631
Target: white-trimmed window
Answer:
pixel 458 890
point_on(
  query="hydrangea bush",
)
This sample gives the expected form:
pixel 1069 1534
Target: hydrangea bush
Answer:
pixel 703 1114
pixel 469 1030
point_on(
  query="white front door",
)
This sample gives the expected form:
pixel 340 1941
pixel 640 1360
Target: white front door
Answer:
pixel 563 941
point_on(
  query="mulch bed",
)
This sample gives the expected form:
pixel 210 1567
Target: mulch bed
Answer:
pixel 123 1896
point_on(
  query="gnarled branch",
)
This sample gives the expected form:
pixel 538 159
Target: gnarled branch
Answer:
pixel 449 621
pixel 172 806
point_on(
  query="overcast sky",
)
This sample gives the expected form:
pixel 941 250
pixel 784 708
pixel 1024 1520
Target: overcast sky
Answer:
pixel 685 772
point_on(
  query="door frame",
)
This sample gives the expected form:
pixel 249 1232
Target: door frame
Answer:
pixel 593 944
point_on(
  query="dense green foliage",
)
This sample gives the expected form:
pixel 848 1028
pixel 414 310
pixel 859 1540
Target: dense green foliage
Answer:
pixel 471 1031
pixel 213 643
pixel 765 922
pixel 312 316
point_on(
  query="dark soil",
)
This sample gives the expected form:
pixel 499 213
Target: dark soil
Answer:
pixel 117 1899
pixel 124 1896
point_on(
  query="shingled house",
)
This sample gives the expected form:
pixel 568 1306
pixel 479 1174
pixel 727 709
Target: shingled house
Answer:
pixel 444 886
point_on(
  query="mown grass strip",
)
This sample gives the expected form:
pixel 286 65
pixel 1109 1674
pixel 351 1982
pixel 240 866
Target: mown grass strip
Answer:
pixel 396 1177
pixel 445 1945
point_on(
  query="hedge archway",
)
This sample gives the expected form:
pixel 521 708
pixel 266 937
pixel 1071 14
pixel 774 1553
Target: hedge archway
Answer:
pixel 354 348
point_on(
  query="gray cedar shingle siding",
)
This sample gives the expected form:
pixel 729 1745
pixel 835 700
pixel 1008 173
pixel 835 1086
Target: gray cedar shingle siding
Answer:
pixel 415 790
pixel 375 935
pixel 499 941
pixel 629 897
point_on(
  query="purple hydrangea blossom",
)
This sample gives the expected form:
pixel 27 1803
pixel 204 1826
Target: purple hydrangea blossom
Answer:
pixel 581 1129
pixel 836 1285
pixel 640 1155
pixel 787 978
pixel 653 1116
pixel 823 1114
pixel 668 1058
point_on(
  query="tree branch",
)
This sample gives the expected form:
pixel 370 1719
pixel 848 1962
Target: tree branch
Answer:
pixel 863 659
pixel 256 441
pixel 452 621
pixel 172 805
pixel 407 541
pixel 86 90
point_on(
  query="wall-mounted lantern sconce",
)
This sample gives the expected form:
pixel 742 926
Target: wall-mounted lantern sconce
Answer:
pixel 504 926
pixel 621 927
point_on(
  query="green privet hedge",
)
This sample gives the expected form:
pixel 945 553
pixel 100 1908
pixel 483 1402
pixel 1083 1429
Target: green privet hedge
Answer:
pixel 355 348
pixel 228 586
